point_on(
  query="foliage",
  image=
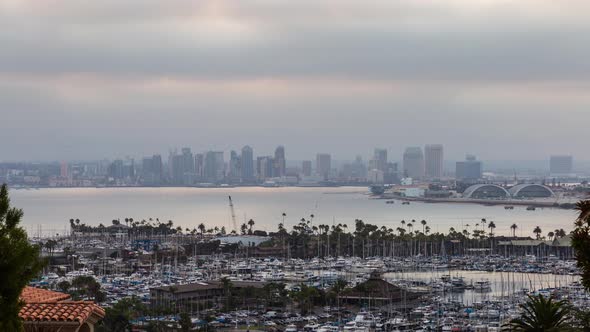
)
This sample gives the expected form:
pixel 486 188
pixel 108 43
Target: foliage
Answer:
pixel 19 263
pixel 87 286
pixel 542 314
pixel 581 241
pixel 185 322
pixel 118 317
pixel 64 286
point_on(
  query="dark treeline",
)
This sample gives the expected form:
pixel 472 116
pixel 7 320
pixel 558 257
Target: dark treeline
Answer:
pixel 307 239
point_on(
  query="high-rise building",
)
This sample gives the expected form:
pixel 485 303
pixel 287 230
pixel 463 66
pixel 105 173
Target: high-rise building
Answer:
pixel 177 169
pixel 117 170
pixel 64 169
pixel 151 170
pixel 323 165
pixel 280 163
pixel 247 164
pixel 264 167
pixel 379 160
pixel 470 169
pixel 235 167
pixel 306 168
pixel 414 163
pixel 561 165
pixel 200 166
pixel 188 167
pixel 214 166
pixel 433 160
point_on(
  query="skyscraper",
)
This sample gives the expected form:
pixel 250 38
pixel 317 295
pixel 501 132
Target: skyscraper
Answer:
pixel 561 164
pixel 323 165
pixel 214 166
pixel 200 166
pixel 151 170
pixel 264 167
pixel 247 164
pixel 235 167
pixel 470 169
pixel 379 160
pixel 414 163
pixel 306 168
pixel 433 156
pixel 280 164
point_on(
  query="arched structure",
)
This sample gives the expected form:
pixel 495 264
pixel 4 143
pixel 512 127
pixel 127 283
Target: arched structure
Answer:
pixel 483 191
pixel 531 191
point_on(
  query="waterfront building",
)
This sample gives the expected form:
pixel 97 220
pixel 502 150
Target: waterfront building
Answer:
pixel 414 163
pixel 375 176
pixel 470 169
pixel 323 165
pixel 433 158
pixel 116 170
pixel 200 166
pixel 63 170
pixel 188 297
pixel 560 247
pixel 151 170
pixel 354 172
pixel 527 190
pixel 486 191
pixel 264 167
pixel 377 291
pixel 214 166
pixel 391 174
pixel 561 165
pixel 280 163
pixel 235 167
pixel 306 168
pixel 379 160
pixel 247 164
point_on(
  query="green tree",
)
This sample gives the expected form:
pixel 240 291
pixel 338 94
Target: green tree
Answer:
pixel 117 318
pixel 538 232
pixel 581 241
pixel 541 314
pixel 513 228
pixel 87 286
pixel 19 263
pixel 250 225
pixel 64 286
pixel 185 322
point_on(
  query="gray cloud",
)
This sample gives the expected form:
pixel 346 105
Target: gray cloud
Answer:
pixel 111 78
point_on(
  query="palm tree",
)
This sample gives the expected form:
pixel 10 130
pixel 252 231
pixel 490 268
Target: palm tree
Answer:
pixel 583 207
pixel 492 226
pixel 244 228
pixel 538 232
pixel 423 222
pixel 201 228
pixel 513 228
pixel 251 224
pixel 541 314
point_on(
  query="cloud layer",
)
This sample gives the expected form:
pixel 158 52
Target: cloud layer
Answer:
pixel 502 79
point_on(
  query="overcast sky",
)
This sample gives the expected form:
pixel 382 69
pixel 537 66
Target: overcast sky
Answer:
pixel 110 78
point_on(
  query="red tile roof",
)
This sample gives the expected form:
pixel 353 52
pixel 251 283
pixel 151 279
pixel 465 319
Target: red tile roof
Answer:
pixel 64 311
pixel 40 295
pixel 46 305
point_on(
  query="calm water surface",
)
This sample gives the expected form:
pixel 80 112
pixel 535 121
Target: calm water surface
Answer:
pixel 49 210
pixel 502 283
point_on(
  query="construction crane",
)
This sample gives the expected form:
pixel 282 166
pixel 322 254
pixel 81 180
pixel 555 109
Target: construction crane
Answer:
pixel 233 214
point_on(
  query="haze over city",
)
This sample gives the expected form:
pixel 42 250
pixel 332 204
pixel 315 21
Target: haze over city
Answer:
pixel 504 80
